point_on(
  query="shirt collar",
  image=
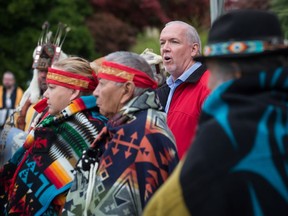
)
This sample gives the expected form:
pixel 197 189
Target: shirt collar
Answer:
pixel 185 75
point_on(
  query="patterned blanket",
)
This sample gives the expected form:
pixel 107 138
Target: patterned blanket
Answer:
pixel 47 159
pixel 129 161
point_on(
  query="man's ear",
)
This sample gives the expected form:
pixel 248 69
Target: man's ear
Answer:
pixel 75 94
pixel 194 49
pixel 128 92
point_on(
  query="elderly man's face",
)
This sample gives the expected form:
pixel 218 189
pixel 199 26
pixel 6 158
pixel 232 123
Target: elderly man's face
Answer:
pixel 109 95
pixel 176 50
pixel 42 80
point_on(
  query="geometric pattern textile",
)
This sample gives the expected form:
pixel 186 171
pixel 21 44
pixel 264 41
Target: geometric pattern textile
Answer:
pixel 47 159
pixel 136 153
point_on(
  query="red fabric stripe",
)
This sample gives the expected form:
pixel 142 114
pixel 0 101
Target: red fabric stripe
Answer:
pixel 140 79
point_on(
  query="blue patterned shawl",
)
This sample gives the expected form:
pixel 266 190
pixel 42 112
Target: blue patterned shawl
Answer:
pixel 53 147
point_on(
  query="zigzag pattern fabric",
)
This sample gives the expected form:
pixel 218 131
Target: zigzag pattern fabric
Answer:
pixel 136 154
pixel 51 149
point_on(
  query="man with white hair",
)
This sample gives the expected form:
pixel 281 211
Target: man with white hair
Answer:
pixel 237 164
pixel 186 88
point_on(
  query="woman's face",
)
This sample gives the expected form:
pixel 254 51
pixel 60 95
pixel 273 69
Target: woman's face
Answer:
pixel 58 97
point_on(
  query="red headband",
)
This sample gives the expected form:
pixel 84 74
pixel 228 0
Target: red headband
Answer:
pixel 121 73
pixel 70 80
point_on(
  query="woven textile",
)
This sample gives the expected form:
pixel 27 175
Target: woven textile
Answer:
pixel 135 154
pixel 51 151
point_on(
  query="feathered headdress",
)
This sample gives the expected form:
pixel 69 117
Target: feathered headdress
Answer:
pixel 45 54
pixel 48 52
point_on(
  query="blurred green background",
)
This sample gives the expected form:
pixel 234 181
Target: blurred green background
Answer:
pixel 99 27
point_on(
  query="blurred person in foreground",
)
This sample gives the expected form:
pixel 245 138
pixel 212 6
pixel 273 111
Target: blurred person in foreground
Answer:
pixel 10 96
pixel 134 154
pixel 35 181
pixel 186 88
pixel 237 164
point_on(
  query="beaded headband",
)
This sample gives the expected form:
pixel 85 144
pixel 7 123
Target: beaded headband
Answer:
pixel 121 73
pixel 70 80
pixel 240 47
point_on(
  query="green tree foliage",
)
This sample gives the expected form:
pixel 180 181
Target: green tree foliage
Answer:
pixel 143 13
pixel 144 41
pixel 280 7
pixel 21 25
pixel 98 27
pixel 121 25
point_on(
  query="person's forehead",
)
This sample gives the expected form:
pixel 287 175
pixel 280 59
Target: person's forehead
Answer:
pixel 172 26
pixel 8 76
pixel 109 83
pixel 173 31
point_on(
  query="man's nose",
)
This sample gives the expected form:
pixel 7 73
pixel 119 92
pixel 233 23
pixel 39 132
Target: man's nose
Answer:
pixel 165 46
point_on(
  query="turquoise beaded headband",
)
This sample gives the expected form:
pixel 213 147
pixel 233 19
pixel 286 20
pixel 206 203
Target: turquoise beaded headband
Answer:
pixel 240 47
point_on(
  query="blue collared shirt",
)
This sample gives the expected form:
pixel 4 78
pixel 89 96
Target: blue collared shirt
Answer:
pixel 174 84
